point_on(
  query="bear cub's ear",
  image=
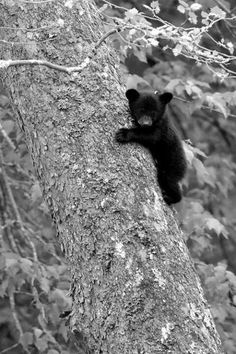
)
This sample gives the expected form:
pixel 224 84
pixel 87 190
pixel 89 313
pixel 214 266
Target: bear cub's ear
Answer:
pixel 132 94
pixel 166 97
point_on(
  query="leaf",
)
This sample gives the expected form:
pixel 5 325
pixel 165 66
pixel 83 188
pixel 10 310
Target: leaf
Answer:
pixel 11 261
pixel 232 279
pixel 214 224
pixel 155 5
pixel 130 14
pixel 172 84
pixel 192 18
pixel 8 125
pixel 153 42
pixel 4 101
pixel 36 194
pixel 230 47
pixel 202 173
pixel 132 32
pixel 37 332
pixel 26 265
pixel 181 9
pixel 140 54
pixel 45 284
pixel 183 3
pixel 3 288
pixel 178 49
pixel 220 313
pixel 41 344
pixel 27 339
pixel 217 12
pixel 195 6
pixel 197 90
pixel 206 23
pixel 188 89
pixel 217 100
pixel 204 14
pixel 188 153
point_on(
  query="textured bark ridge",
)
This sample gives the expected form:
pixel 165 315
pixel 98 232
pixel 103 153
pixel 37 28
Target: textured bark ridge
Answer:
pixel 134 287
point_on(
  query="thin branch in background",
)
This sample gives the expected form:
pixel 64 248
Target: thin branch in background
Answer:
pixel 226 135
pixel 15 317
pixel 39 238
pixel 16 212
pixel 18 169
pixel 9 348
pixel 6 137
pixel 205 107
pixel 3 207
pixel 14 314
pixel 220 4
pixel 222 132
pixel 9 192
pixel 5 187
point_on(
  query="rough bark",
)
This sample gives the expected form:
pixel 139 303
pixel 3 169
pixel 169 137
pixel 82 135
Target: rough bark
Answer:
pixel 134 286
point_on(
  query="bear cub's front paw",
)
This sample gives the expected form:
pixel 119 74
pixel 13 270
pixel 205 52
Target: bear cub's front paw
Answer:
pixel 122 136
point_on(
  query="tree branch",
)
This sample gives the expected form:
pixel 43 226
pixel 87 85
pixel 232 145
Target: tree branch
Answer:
pixel 68 70
pixel 102 39
pixel 7 63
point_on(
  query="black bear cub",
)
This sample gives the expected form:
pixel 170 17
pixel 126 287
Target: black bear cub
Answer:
pixel 153 129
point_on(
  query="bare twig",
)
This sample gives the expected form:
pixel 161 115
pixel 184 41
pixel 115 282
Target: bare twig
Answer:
pixel 102 39
pixel 7 63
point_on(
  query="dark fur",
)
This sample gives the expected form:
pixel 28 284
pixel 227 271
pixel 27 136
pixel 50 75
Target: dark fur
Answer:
pixel 153 129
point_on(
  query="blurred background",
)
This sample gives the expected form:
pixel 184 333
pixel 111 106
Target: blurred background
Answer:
pixel 33 274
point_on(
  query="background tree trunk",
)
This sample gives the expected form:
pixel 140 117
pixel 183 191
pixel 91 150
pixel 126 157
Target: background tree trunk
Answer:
pixel 134 287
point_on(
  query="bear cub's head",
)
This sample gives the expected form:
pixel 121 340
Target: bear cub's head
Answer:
pixel 147 108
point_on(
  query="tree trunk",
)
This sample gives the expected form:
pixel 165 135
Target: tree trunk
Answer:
pixel 134 287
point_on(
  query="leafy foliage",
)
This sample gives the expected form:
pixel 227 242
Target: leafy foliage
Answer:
pixel 136 31
pixel 34 277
